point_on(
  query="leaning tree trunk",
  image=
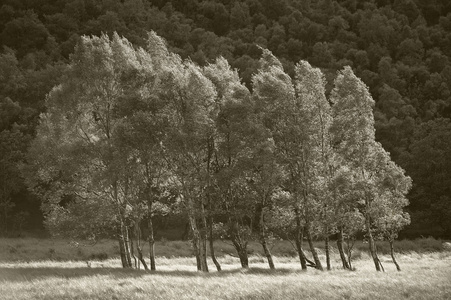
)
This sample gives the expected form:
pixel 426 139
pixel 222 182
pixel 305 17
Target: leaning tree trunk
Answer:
pixel 264 243
pixel 312 248
pixel 298 240
pixel 210 216
pixel 122 252
pixel 240 246
pixel 340 247
pixel 244 258
pixel 127 246
pixel 203 237
pixel 125 256
pixel 139 248
pixel 242 252
pixel 326 246
pixel 392 253
pixel 211 242
pixel 197 244
pixel 132 249
pixel 371 244
pixel 349 247
pixel 380 263
pixel 151 237
pixel 267 252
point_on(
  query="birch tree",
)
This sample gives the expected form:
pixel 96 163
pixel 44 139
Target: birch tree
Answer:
pixel 354 138
pixel 233 127
pixel 272 90
pixel 74 153
pixel 192 112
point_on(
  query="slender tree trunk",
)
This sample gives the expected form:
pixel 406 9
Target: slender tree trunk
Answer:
pixel 349 247
pixel 139 249
pixel 127 246
pixel 267 253
pixel 203 238
pixel 312 248
pixel 263 241
pixel 211 243
pixel 380 263
pixel 151 239
pixel 210 216
pixel 345 263
pixel 372 247
pixel 122 235
pixel 326 246
pixel 240 246
pixel 126 263
pixel 122 251
pixel 124 247
pixel 298 240
pixel 132 249
pixel 197 244
pixel 392 253
pixel 371 244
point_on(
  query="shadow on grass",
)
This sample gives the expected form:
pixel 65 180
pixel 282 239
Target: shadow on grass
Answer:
pixel 21 274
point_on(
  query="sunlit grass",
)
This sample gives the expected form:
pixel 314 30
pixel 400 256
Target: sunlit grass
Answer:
pixel 425 276
pixel 55 269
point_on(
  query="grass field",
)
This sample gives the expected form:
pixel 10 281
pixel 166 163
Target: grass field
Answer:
pixel 39 269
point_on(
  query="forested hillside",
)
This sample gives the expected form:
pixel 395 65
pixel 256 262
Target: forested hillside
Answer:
pixel 401 49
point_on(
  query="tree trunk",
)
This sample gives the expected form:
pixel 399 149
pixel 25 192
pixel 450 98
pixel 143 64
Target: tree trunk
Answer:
pixel 371 244
pixel 263 241
pixel 210 217
pixel 132 249
pixel 203 238
pixel 267 252
pixel 240 246
pixel 326 246
pixel 123 247
pixel 392 253
pixel 308 261
pixel 138 247
pixel 380 263
pixel 127 246
pixel 197 244
pixel 349 252
pixel 345 263
pixel 150 236
pixel 298 240
pixel 244 259
pixel 312 248
pixel 211 243
pixel 122 252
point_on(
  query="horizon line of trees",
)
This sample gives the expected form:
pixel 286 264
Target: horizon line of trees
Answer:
pixel 130 133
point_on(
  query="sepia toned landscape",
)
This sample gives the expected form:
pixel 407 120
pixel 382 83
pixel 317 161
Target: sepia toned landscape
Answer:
pixel 205 149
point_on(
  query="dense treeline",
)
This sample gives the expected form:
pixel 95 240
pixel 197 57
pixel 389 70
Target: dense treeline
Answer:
pixel 127 127
pixel 400 49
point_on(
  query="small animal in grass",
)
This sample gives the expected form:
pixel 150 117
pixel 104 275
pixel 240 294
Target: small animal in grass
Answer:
pixel 88 263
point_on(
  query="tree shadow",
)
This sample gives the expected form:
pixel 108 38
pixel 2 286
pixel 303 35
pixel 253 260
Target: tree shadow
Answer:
pixel 21 274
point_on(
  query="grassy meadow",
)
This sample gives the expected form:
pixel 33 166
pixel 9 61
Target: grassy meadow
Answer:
pixel 57 269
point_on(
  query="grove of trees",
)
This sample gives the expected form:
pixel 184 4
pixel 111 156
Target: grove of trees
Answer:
pixel 134 132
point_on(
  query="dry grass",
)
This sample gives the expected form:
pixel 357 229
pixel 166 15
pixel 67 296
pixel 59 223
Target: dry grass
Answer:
pixel 425 276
